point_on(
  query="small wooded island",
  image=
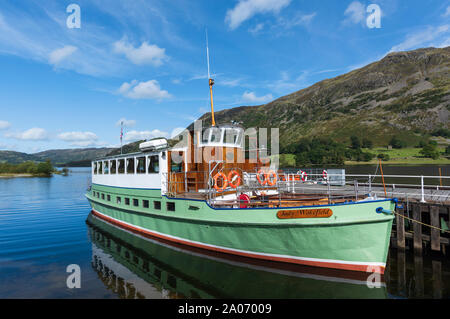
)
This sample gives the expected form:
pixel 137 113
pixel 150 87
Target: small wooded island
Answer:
pixel 30 169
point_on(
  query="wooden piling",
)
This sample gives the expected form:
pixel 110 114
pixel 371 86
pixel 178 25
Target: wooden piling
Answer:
pixel 435 235
pixel 437 279
pixel 417 228
pixel 400 229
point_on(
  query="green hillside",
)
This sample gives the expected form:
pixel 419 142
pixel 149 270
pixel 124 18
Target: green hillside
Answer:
pixel 405 94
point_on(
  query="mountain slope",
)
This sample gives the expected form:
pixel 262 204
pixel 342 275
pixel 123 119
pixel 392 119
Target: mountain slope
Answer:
pixel 404 94
pixel 57 157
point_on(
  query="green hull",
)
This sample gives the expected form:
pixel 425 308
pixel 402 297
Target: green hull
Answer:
pixel 355 237
pixel 182 273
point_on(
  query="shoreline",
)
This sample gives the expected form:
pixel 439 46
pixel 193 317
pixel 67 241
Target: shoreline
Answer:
pixel 16 175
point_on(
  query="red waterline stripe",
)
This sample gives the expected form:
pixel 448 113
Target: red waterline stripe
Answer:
pixel 324 264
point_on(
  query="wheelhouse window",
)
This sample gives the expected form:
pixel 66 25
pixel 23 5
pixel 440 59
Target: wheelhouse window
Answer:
pixel 140 165
pixel 113 167
pixel 153 164
pixel 215 135
pixel 94 164
pixel 176 162
pixel 130 165
pixel 232 136
pixel 106 167
pixel 121 166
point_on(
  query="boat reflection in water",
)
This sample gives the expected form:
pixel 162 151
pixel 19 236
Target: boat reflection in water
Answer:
pixel 133 266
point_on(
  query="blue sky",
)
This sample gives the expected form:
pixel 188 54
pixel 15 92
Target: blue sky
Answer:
pixel 145 61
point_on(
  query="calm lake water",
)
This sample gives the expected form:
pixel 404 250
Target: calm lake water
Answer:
pixel 45 226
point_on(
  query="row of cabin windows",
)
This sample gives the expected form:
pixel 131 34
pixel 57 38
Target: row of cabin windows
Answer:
pixel 130 165
pixel 145 203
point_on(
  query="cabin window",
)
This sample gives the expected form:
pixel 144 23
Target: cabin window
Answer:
pixel 106 167
pixel 171 206
pixel 205 137
pixel 127 201
pixel 216 135
pixel 135 202
pixel 100 167
pixel 103 196
pixel 140 167
pixel 119 200
pixel 113 167
pixel 153 164
pixel 145 203
pixel 98 195
pixel 232 136
pixel 174 165
pixel 95 167
pixel 157 205
pixel 121 166
pixel 130 165
pixel 108 198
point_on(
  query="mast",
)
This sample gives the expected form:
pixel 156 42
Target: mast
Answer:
pixel 211 82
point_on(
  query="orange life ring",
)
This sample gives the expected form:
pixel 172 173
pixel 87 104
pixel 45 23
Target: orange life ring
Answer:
pixel 232 176
pixel 273 175
pixel 225 182
pixel 261 172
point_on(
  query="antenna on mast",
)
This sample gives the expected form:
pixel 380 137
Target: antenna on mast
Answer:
pixel 211 82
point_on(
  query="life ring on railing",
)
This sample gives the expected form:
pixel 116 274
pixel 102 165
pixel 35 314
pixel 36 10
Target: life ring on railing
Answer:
pixel 325 174
pixel 271 178
pixel 234 179
pixel 258 177
pixel 304 176
pixel 224 182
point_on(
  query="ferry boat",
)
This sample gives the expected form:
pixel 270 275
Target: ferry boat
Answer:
pixel 232 203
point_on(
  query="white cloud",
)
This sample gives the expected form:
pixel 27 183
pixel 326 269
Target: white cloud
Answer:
pixel 59 55
pixel 4 125
pixel 145 54
pixel 250 97
pixel 246 9
pixel 431 36
pixel 143 90
pixel 355 12
pixel 144 135
pixel 77 136
pixel 33 134
pixel 447 12
pixel 256 28
pixel 126 123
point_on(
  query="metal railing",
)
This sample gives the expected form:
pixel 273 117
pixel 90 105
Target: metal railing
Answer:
pixel 316 186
